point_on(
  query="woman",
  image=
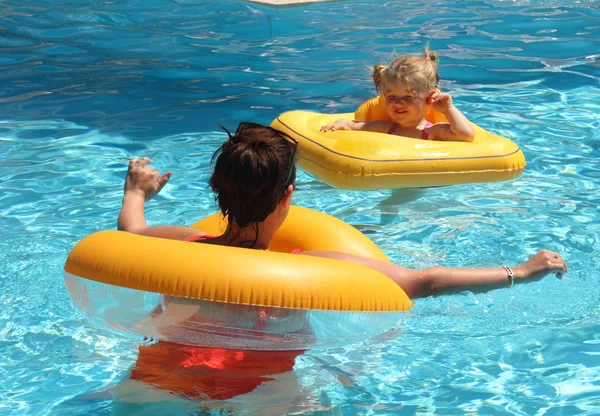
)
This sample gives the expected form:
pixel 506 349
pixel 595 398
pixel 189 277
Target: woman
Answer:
pixel 253 182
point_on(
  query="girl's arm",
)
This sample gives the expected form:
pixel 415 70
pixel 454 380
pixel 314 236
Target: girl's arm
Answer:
pixel 378 126
pixel 439 280
pixel 143 183
pixel 458 128
pixel 343 124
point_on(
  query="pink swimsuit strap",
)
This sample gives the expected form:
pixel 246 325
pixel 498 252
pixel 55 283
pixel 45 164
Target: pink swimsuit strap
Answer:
pixel 424 132
pixel 202 236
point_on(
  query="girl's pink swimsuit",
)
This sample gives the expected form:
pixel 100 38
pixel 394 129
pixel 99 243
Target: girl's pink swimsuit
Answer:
pixel 424 132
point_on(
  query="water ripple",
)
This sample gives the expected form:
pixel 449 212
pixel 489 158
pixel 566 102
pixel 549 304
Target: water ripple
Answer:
pixel 87 85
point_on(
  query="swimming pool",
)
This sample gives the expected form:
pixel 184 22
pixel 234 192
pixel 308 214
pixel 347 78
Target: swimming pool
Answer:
pixel 89 84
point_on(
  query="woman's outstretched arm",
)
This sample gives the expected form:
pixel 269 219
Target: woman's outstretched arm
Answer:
pixel 143 183
pixel 439 280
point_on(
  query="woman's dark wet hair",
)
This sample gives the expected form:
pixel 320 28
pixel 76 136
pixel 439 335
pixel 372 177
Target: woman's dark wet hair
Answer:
pixel 252 171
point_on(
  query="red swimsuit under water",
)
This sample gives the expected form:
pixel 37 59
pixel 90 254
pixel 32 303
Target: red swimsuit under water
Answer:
pixel 199 373
pixel 424 132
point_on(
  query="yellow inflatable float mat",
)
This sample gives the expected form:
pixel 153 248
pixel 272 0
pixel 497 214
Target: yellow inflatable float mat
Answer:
pixel 366 160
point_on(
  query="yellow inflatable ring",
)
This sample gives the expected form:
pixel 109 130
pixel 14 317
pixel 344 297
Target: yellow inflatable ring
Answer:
pixel 121 280
pixel 366 160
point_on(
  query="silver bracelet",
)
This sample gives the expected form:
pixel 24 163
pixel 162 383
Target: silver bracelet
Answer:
pixel 511 276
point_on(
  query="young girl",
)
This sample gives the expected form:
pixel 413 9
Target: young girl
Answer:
pixel 409 84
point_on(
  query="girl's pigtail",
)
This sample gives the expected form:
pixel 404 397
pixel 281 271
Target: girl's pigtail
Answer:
pixel 378 75
pixel 432 58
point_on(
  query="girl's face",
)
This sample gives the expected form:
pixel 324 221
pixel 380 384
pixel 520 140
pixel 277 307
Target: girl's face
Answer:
pixel 404 105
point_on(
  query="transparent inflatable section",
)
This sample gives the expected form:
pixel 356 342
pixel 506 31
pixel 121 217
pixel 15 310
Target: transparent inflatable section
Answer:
pixel 223 325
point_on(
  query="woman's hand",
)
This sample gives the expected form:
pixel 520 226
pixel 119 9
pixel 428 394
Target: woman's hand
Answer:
pixel 143 183
pixel 541 264
pixel 143 179
pixel 440 101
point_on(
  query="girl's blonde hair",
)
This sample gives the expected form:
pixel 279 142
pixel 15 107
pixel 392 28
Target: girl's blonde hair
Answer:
pixel 416 72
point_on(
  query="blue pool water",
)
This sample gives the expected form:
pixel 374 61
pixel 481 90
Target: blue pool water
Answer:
pixel 87 85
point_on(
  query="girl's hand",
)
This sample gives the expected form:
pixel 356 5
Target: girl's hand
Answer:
pixel 341 124
pixel 439 101
pixel 143 180
pixel 541 264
